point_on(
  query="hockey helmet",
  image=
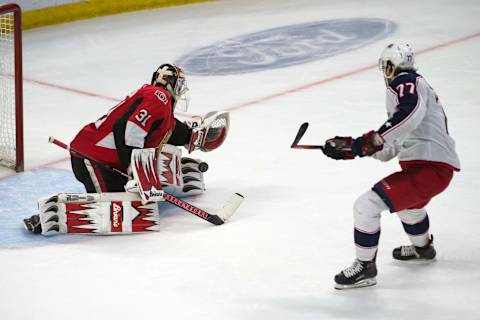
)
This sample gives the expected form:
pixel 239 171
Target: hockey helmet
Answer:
pixel 399 56
pixel 172 78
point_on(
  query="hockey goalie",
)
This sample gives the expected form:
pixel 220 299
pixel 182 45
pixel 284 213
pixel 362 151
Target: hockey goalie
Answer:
pixel 130 158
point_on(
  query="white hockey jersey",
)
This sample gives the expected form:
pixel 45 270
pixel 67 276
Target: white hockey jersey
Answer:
pixel 416 129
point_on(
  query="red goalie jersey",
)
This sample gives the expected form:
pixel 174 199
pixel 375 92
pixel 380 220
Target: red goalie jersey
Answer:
pixel 143 120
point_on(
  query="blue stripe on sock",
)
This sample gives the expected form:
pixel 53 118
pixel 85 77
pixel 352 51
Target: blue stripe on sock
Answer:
pixel 418 228
pixel 366 240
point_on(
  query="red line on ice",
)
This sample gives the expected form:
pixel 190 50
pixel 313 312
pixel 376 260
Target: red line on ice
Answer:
pixel 257 100
pixel 342 75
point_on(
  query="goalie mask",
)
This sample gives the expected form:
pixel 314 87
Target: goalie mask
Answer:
pixel 172 78
pixel 395 58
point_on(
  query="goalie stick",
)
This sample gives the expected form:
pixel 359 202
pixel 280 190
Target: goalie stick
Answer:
pixel 298 137
pixel 222 215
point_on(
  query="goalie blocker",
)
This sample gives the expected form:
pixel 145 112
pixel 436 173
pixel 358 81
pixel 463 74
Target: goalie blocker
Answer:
pixel 154 172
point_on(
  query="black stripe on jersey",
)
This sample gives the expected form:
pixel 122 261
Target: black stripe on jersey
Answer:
pixel 181 134
pixel 124 152
pixel 154 127
pixel 405 88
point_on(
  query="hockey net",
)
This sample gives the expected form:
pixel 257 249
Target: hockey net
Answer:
pixel 11 113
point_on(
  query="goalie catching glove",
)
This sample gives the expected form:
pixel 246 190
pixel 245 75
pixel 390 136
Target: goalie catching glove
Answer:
pixel 209 131
pixel 346 148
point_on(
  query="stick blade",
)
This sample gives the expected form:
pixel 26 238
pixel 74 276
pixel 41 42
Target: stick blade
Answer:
pixel 307 146
pixel 301 131
pixel 231 206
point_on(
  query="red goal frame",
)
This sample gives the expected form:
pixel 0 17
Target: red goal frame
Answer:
pixel 17 15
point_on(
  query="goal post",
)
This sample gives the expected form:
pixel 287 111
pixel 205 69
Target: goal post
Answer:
pixel 11 87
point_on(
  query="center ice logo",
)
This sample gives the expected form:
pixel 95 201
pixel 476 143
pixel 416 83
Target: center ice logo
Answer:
pixel 284 46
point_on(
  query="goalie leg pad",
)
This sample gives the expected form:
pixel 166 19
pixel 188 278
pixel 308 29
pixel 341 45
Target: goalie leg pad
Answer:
pixel 97 213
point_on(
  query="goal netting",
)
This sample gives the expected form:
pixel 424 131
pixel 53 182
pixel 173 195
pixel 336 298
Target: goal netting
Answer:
pixel 11 126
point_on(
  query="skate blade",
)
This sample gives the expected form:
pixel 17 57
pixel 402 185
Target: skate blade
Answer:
pixel 364 283
pixel 414 261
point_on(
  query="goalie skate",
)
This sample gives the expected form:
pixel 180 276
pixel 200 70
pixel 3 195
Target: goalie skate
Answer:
pixel 33 224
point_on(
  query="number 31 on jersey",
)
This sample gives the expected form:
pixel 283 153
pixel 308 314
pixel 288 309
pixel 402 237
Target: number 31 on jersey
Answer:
pixel 143 117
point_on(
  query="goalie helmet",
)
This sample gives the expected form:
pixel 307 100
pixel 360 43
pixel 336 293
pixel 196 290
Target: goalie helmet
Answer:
pixel 399 57
pixel 172 78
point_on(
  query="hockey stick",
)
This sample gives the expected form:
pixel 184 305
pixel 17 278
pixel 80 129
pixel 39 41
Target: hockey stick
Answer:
pixel 222 215
pixel 298 137
pixel 81 155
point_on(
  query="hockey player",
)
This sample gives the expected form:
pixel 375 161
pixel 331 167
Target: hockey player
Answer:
pixel 141 129
pixel 144 119
pixel 416 132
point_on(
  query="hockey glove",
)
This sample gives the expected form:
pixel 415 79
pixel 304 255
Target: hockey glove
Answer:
pixel 339 148
pixel 367 144
pixel 346 148
pixel 145 172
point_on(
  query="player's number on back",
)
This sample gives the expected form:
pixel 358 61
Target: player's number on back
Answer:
pixel 410 88
pixel 143 117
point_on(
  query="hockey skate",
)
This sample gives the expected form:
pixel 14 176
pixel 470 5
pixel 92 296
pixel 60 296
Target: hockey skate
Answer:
pixel 359 274
pixel 415 254
pixel 32 224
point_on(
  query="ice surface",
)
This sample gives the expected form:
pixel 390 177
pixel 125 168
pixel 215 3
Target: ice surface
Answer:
pixel 276 257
